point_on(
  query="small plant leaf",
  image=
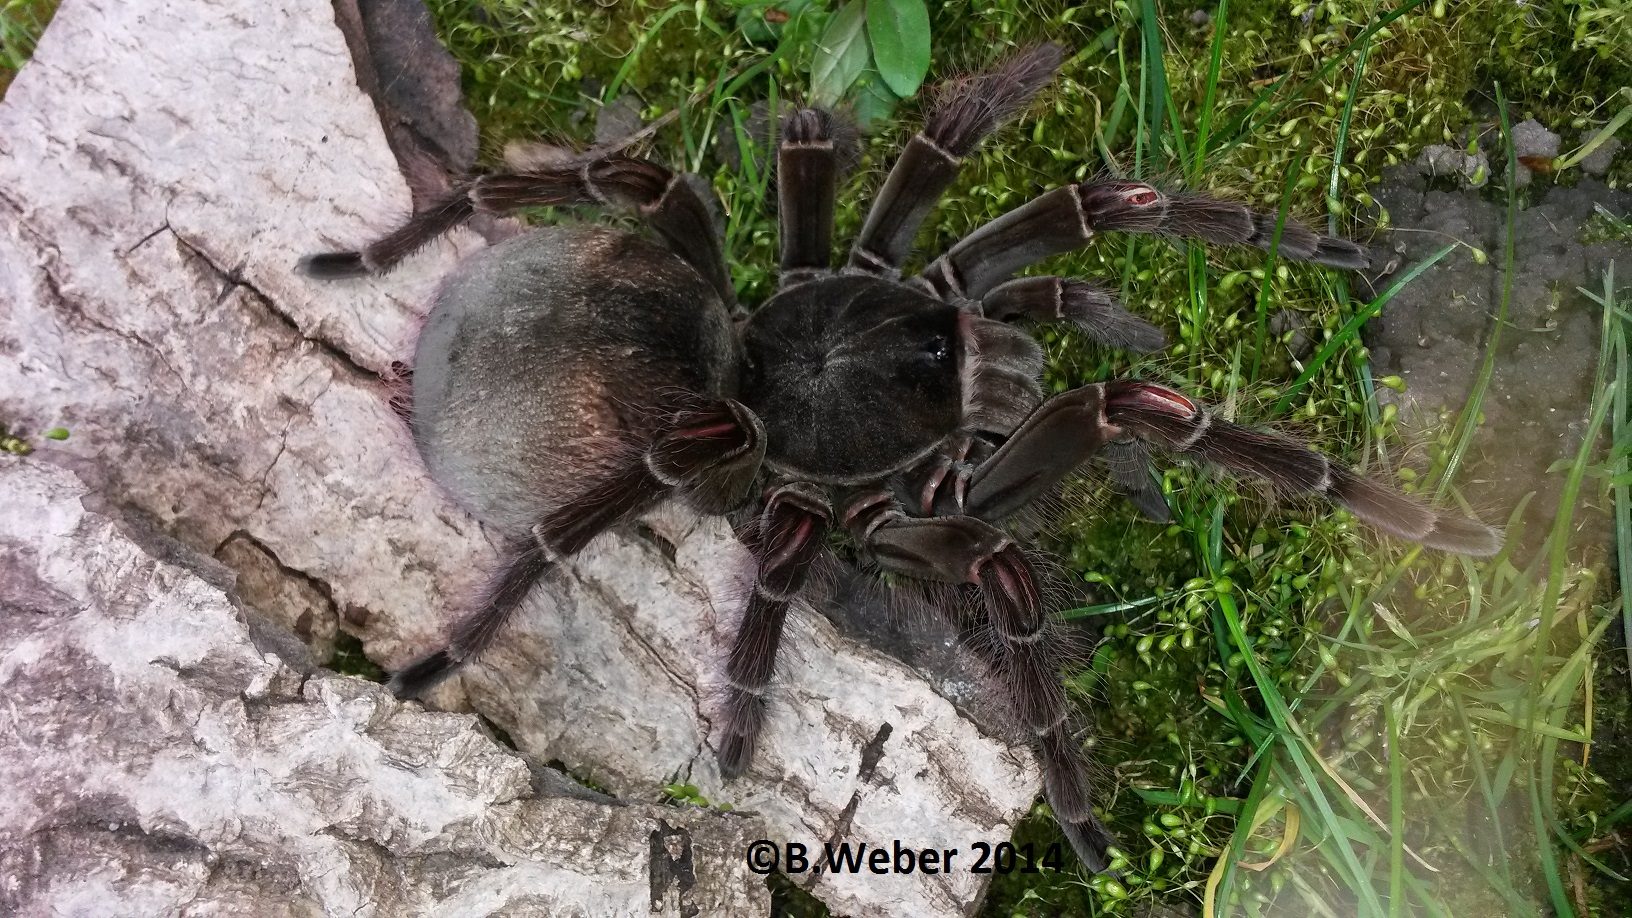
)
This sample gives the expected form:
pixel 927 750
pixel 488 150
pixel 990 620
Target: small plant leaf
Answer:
pixel 874 103
pixel 899 33
pixel 841 55
pixel 771 21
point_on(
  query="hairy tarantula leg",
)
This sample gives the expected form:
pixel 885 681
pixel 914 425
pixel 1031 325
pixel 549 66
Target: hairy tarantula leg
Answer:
pixel 671 203
pixel 1024 658
pixel 1133 474
pixel 792 532
pixel 707 451
pixel 1062 434
pixel 710 453
pixel 1168 419
pixel 560 535
pixel 965 111
pixel 808 161
pixel 1067 218
pixel 1072 426
pixel 1089 306
pixel 424 227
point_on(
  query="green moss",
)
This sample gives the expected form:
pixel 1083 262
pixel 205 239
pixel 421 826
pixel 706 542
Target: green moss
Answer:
pixel 350 660
pixel 789 900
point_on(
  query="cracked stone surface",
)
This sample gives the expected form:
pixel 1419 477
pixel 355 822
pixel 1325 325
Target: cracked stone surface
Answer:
pixel 255 789
pixel 154 196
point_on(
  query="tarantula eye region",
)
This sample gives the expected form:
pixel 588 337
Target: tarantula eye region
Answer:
pixel 939 347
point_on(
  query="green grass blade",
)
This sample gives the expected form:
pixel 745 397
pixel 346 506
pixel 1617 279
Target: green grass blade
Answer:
pixel 616 86
pixel 1270 257
pixel 1351 328
pixel 1338 847
pixel 1468 421
pixel 1151 63
pixel 1209 97
pixel 1243 831
pixel 1396 814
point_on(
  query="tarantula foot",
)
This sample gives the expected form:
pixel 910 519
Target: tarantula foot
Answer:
pixel 1092 842
pixel 1340 253
pixel 423 674
pixel 735 752
pixel 333 265
pixel 1463 536
pixel 744 716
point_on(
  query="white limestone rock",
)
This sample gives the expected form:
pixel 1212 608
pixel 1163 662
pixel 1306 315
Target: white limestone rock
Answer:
pixel 158 762
pixel 155 194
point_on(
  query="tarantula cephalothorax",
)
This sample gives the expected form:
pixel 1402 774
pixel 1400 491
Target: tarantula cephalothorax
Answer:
pixel 572 377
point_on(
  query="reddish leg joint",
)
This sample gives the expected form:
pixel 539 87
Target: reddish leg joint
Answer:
pixel 1150 397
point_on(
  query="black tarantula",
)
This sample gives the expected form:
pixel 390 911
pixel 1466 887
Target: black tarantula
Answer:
pixel 575 376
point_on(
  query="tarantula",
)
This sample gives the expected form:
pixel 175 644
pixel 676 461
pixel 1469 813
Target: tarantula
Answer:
pixel 576 376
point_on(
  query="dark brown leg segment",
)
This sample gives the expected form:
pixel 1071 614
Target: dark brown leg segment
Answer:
pixel 1086 305
pixel 791 534
pixel 1168 419
pixel 676 208
pixel 1072 426
pixel 964 113
pixel 1067 218
pixel 807 175
pixel 1025 658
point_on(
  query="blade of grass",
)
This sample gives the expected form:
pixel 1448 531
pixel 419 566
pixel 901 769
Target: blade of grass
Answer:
pixel 1493 804
pixel 1396 814
pixel 1150 32
pixel 1338 849
pixel 1194 331
pixel 1497 879
pixel 1621 436
pixel 1163 797
pixel 1575 674
pixel 1262 330
pixel 1225 869
pixel 1209 96
pixel 1468 421
pixel 1351 329
pixel 1340 279
pixel 645 39
pixel 1140 138
pixel 1616 337
pixel 1112 608
pixel 1602 137
pixel 1557 702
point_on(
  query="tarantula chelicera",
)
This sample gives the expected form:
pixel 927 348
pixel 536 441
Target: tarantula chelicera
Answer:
pixel 575 376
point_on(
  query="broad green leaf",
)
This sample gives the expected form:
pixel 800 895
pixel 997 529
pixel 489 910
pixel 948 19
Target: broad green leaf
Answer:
pixel 899 33
pixel 841 55
pixel 874 102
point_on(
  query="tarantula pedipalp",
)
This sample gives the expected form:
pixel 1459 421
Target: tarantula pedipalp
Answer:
pixel 905 413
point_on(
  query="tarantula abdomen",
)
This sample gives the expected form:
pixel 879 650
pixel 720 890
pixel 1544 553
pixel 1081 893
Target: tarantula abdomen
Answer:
pixel 546 360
